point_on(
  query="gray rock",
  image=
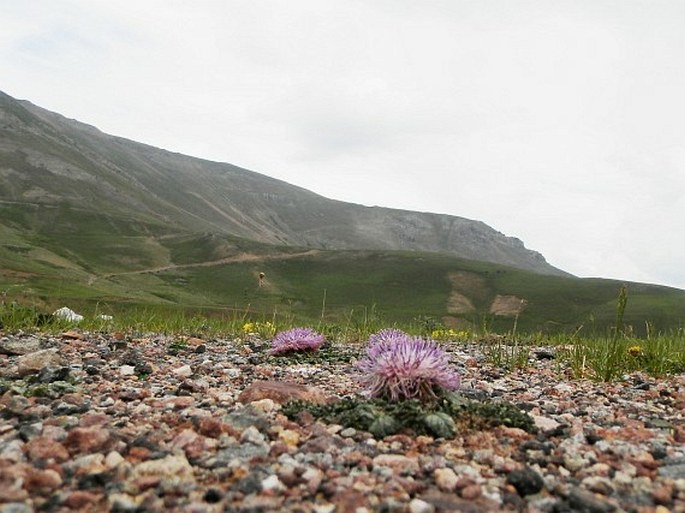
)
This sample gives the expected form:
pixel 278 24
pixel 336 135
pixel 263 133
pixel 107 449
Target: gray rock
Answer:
pixel 243 452
pixel 526 481
pixel 19 346
pixel 672 471
pixel 246 417
pixel 33 363
pixel 586 502
pixel 15 507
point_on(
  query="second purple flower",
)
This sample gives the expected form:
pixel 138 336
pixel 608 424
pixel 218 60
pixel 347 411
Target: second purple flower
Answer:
pixel 296 339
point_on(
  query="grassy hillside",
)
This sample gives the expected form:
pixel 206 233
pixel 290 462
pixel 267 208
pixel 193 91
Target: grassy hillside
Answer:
pixel 64 259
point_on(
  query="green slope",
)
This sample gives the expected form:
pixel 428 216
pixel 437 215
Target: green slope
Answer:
pixel 65 259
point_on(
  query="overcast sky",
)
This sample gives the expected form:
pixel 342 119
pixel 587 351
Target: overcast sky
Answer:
pixel 561 123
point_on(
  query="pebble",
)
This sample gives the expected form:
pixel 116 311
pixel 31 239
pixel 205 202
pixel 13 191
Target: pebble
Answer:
pixel 127 370
pixel 252 436
pixel 272 484
pixel 289 437
pixel 588 502
pixel 398 463
pixel 113 460
pixel 527 481
pixel 264 405
pixel 40 481
pixel 87 439
pixel 348 432
pixel 170 466
pixel 140 429
pixel 33 363
pixel 419 506
pixel 446 479
pixel 183 372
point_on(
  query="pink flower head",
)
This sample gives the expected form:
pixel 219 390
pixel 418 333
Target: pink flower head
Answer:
pixel 296 339
pixel 398 366
pixel 389 335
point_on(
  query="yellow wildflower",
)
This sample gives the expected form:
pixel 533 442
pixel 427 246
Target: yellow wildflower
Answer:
pixel 635 351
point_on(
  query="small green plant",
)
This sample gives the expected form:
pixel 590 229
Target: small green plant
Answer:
pixel 443 418
pixel 427 324
pixel 658 356
pixel 610 364
pixel 609 358
pixel 176 347
pixel 504 354
pixel 14 316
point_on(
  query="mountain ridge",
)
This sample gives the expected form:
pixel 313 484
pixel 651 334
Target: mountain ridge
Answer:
pixel 49 159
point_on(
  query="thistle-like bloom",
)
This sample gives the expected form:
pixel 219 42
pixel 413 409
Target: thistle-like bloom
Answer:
pixel 389 335
pixel 296 339
pixel 398 366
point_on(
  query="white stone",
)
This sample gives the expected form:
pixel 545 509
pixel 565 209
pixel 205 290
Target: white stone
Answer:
pixel 88 463
pixel 127 370
pixel 253 436
pixel 169 467
pixel 324 508
pixel 113 459
pixel 232 372
pixel 67 314
pixel 13 451
pixel 273 484
pixel 419 506
pixel 265 405
pixel 545 423
pixel 574 462
pixel 679 485
pixel 621 478
pixel 183 372
pixel 313 477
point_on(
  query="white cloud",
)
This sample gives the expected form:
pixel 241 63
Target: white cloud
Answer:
pixel 559 123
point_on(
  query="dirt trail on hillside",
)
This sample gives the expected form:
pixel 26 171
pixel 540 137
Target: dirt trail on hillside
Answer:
pixel 243 257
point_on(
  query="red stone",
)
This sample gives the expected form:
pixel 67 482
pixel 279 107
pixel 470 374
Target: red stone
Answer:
pixel 214 428
pixel 79 499
pixel 42 448
pixel 471 492
pixel 42 481
pixel 94 419
pixel 663 494
pixel 194 341
pixel 137 454
pixel 349 501
pixel 281 392
pixel 72 334
pixel 87 440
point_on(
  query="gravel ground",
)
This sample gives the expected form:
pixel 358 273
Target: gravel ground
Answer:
pixel 106 422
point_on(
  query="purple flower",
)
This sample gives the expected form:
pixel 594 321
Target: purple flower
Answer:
pixel 296 339
pixel 387 335
pixel 398 366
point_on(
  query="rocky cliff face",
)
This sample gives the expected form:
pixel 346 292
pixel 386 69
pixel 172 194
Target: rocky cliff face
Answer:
pixel 48 160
